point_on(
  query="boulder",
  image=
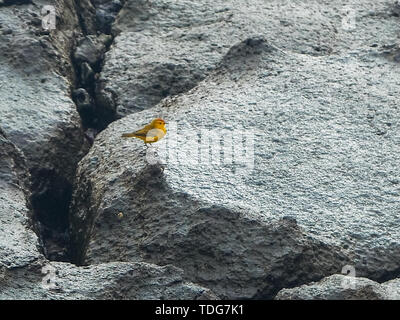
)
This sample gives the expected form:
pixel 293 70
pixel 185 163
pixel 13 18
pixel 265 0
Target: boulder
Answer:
pixel 37 112
pixel 18 242
pixel 163 48
pixel 341 287
pixel 44 280
pixel 279 167
pixel 268 135
pixel 26 274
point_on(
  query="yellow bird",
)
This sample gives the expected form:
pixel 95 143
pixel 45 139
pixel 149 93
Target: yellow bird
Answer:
pixel 151 133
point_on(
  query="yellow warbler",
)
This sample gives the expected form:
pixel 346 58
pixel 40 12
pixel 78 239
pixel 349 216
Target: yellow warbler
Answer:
pixel 151 133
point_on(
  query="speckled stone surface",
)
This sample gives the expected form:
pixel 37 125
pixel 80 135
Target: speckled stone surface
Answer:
pixel 280 165
pixel 323 150
pixel 341 287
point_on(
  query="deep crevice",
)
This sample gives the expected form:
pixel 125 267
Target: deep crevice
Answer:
pixel 50 199
pixel 95 115
pixel 51 191
pixel 96 109
pixel 4 3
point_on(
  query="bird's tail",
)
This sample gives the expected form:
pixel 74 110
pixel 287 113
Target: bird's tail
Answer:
pixel 128 135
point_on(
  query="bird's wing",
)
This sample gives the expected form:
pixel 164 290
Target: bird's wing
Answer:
pixel 140 133
pixel 143 132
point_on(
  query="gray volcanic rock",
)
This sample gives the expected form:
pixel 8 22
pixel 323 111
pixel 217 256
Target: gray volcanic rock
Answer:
pixel 120 280
pixel 87 16
pixel 111 281
pixel 18 244
pixel 88 57
pixel 168 217
pixel 25 274
pixel 279 168
pixel 340 287
pixel 36 110
pixel 90 49
pixel 163 48
pixel 268 135
pixel 106 11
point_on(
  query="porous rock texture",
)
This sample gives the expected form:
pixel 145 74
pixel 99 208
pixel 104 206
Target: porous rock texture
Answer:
pixel 166 47
pixel 26 274
pixel 279 167
pixel 341 287
pixel 18 244
pixel 317 120
pixel 112 281
pixel 41 141
pixel 37 113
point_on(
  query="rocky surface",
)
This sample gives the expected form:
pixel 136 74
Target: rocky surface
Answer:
pixel 26 274
pixel 96 110
pixel 111 281
pixel 232 253
pixel 340 287
pixel 37 112
pixel 278 169
pixel 18 243
pixel 165 47
pixel 321 137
